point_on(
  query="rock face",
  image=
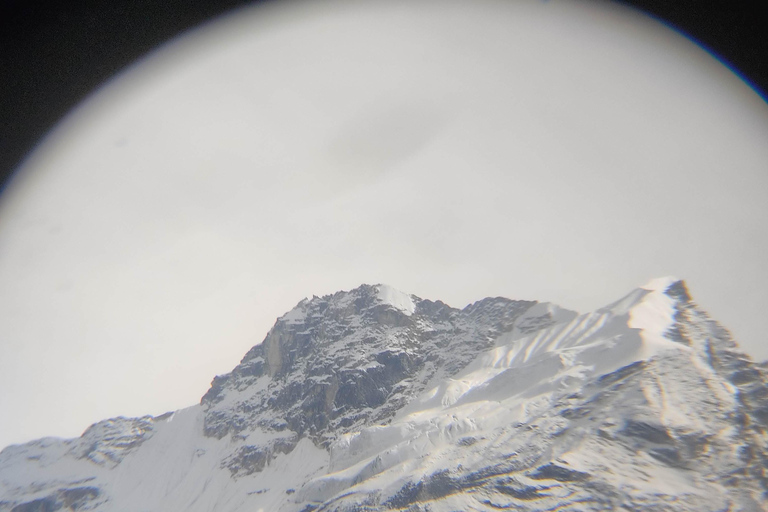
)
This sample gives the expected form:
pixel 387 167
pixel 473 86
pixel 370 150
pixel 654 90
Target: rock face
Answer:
pixel 377 400
pixel 337 363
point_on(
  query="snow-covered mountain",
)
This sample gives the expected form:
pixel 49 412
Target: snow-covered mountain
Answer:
pixel 373 399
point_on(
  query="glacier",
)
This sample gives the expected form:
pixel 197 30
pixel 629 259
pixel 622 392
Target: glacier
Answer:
pixel 374 399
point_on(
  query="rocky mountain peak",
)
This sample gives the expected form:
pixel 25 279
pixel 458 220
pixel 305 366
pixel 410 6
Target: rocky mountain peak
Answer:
pixel 337 362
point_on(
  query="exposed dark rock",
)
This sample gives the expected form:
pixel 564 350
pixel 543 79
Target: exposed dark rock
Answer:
pixel 561 474
pixel 679 291
pixel 652 433
pixel 40 505
pixel 107 442
pixel 622 373
pixel 250 459
pixel 668 456
pixel 521 492
pixel 77 498
pixel 347 360
pixel 73 499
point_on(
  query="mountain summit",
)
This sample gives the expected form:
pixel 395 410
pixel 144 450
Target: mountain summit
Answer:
pixel 374 399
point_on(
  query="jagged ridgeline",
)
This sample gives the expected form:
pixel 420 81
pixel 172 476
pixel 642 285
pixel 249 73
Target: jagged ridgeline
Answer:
pixel 374 399
pixel 335 364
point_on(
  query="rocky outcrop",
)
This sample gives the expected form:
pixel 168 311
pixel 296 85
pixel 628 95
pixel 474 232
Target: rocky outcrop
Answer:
pixel 108 442
pixel 347 360
pixel 76 498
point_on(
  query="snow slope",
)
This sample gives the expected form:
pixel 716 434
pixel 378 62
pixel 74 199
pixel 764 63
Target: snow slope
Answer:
pixel 377 400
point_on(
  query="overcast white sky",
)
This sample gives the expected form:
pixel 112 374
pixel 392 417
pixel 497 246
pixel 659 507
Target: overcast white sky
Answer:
pixel 561 151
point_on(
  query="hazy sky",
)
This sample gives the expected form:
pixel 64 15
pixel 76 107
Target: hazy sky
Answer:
pixel 561 151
